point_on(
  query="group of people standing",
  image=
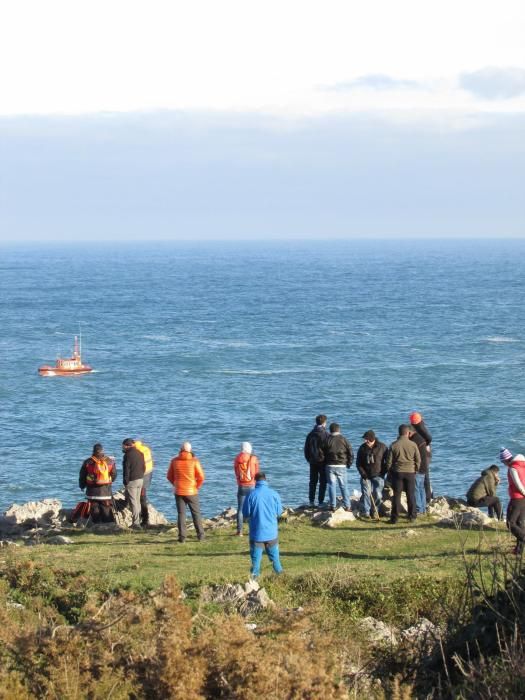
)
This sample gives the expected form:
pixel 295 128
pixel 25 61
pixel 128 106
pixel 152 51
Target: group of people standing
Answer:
pixel 98 472
pixel 256 501
pixel 406 464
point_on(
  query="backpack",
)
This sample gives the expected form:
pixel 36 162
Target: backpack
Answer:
pixel 313 449
pixel 80 512
pixel 245 472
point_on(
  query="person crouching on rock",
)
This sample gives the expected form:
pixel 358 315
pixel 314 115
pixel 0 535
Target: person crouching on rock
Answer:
pixel 483 492
pixel 97 474
pixel 187 476
pixel 262 507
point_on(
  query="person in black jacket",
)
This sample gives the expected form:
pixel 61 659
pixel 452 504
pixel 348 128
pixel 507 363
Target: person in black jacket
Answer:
pixel 419 425
pixel 421 475
pixel 371 465
pixel 314 455
pixel 338 457
pixel 133 466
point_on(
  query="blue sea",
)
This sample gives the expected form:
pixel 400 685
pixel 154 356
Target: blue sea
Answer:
pixel 217 343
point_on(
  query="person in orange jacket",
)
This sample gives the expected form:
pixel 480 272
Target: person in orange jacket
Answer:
pixel 187 476
pixel 246 466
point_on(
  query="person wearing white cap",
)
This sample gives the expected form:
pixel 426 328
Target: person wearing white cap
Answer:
pixel 516 509
pixel 246 466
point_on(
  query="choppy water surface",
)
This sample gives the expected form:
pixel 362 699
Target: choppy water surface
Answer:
pixel 221 343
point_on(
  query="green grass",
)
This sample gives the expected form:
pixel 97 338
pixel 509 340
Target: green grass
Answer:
pixel 361 550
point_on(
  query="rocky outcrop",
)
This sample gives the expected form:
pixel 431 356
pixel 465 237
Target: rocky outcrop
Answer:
pixel 454 512
pixel 246 600
pixel 37 521
pixel 45 521
pixel 40 514
pixel 422 637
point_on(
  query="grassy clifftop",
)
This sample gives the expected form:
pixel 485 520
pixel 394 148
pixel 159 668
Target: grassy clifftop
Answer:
pixel 104 617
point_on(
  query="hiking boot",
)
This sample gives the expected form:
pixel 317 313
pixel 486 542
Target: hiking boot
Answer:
pixel 364 516
pixel 392 521
pixel 182 540
pixel 238 534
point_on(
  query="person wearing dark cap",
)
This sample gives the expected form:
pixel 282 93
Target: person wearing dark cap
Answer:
pixel 483 492
pixel 314 455
pixel 419 425
pixel 97 474
pixel 133 466
pixel 371 465
pixel 402 463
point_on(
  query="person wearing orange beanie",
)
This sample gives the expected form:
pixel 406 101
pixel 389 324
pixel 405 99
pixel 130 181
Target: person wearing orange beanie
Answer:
pixel 420 427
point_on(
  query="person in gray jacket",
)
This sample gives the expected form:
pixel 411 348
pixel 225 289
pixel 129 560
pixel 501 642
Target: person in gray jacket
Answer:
pixel 403 462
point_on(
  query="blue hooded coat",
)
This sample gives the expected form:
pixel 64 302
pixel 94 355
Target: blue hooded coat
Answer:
pixel 262 506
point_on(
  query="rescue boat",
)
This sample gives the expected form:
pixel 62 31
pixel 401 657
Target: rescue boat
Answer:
pixel 67 366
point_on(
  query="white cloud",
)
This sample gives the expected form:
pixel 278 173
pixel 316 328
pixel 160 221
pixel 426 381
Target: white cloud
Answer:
pixel 493 83
pixel 73 56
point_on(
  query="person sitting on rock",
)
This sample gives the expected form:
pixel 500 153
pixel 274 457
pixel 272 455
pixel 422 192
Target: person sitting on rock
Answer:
pixel 97 474
pixel 483 492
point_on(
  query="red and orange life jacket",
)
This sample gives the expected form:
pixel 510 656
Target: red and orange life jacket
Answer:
pixel 99 471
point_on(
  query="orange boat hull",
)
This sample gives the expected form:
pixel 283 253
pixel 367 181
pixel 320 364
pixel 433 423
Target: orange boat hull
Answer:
pixel 48 371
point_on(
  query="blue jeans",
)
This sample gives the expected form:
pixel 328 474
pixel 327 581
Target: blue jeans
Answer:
pixel 256 552
pixel 242 492
pixel 372 490
pixel 334 476
pixel 421 497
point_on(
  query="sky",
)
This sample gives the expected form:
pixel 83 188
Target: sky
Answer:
pixel 243 120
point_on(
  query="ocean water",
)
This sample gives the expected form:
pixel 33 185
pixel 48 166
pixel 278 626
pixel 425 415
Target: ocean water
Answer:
pixel 224 342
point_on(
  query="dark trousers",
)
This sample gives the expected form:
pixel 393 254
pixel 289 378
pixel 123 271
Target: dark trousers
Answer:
pixel 516 520
pixel 428 486
pixel 101 512
pixel 317 474
pixel 144 513
pixel 193 503
pixel 491 502
pixel 404 482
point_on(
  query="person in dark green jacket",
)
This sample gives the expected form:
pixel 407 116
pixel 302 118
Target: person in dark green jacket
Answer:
pixel 483 492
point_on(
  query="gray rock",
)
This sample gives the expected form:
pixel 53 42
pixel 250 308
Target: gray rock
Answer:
pixel 409 533
pixel 340 516
pixel 379 632
pixel 251 586
pixel 8 543
pixel 245 600
pixel 44 513
pixel 59 539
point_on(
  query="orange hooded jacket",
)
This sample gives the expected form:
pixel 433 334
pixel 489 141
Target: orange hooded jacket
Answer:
pixel 186 474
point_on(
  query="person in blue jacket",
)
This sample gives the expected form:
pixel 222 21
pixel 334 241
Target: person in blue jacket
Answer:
pixel 262 507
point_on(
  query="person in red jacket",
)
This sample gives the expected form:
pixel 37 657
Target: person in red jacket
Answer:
pixel 246 466
pixel 516 509
pixel 187 476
